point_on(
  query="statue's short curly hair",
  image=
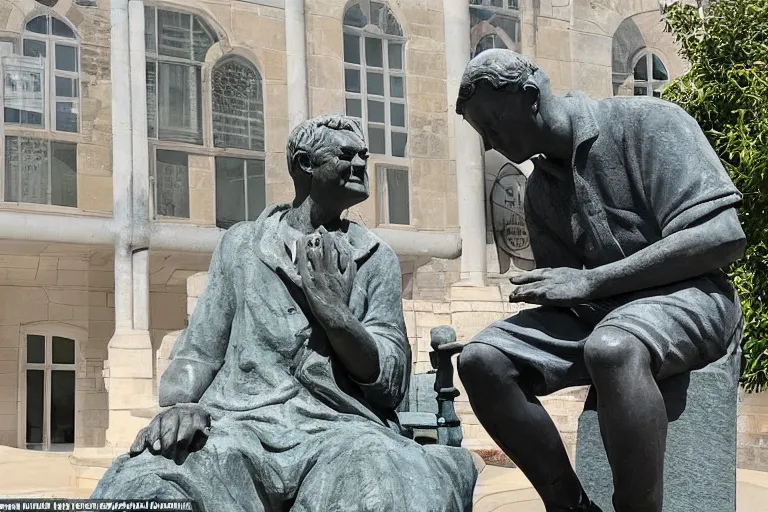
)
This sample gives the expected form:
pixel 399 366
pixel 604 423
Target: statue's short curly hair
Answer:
pixel 498 67
pixel 310 137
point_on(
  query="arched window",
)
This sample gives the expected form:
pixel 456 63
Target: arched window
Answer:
pixel 41 91
pixel 494 24
pixel 42 86
pixel 374 76
pixel 176 44
pixel 650 75
pixel 238 122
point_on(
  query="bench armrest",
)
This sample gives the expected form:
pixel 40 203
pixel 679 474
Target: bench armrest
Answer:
pixel 444 347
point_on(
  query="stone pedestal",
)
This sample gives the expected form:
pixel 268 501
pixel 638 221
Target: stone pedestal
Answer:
pixel 700 463
pixel 129 380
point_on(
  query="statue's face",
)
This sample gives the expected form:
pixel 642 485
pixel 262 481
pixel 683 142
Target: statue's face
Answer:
pixel 506 121
pixel 341 180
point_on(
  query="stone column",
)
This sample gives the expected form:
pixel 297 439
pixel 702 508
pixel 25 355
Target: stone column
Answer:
pixel 296 61
pixel 128 369
pixel 468 151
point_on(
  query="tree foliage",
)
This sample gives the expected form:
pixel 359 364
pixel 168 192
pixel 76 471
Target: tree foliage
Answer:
pixel 726 91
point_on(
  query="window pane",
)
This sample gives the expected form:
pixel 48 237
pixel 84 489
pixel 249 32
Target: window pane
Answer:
pixel 397 186
pixel 61 29
pixel 383 18
pixel 62 407
pixel 202 40
pixel 354 17
pixel 180 103
pixel 375 83
pixel 24 98
pixel 66 58
pixel 38 25
pixel 659 70
pixel 257 188
pixel 354 108
pixel 513 4
pixel 395 55
pixel 66 116
pixel 373 55
pixel 230 191
pixel 34 171
pixel 172 184
pixel 399 142
pixel 12 162
pixel 641 91
pixel 496 3
pixel 63 350
pixel 351 49
pixel 34 48
pixel 150 37
pixel 657 93
pixel 66 87
pixel 63 183
pixel 397 114
pixel 641 69
pixel 35 348
pixel 376 141
pixel 35 406
pixel 152 99
pixel 175 34
pixel 351 80
pixel 396 87
pixel 376 111
pixel 238 107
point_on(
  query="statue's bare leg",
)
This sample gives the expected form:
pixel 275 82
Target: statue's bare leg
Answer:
pixel 519 424
pixel 633 419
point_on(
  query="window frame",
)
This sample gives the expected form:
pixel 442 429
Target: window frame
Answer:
pixel 49 143
pixel 485 28
pixel 48 330
pixel 382 195
pixel 650 84
pixel 50 73
pixel 370 31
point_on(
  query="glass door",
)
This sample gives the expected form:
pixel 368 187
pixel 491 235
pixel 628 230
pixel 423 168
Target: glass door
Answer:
pixel 50 393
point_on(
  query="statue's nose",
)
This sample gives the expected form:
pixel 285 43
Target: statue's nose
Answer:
pixel 357 161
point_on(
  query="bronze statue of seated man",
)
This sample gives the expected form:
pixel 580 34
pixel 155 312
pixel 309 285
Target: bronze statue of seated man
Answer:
pixel 281 392
pixel 631 218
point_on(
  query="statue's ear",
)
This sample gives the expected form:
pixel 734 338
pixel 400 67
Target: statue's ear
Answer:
pixel 532 92
pixel 301 161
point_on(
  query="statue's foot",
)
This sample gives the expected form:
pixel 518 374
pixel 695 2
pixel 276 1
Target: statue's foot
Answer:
pixel 585 505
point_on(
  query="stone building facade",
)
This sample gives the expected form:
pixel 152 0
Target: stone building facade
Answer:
pixel 135 131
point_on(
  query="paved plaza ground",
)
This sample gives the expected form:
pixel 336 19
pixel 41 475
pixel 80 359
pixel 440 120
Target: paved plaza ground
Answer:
pixel 28 474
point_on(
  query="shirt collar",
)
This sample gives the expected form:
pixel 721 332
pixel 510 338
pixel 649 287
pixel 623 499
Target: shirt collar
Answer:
pixel 583 122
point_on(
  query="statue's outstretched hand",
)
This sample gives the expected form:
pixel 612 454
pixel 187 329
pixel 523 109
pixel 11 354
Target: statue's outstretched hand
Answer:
pixel 175 432
pixel 326 275
pixel 553 287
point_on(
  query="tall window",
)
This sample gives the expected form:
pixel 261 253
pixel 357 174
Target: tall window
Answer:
pixel 238 123
pixel 49 392
pixel 41 91
pixel 374 76
pixel 176 45
pixel 650 75
pixel 494 24
pixel 394 195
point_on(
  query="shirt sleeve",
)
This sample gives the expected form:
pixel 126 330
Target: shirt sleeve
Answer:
pixel 684 180
pixel 204 341
pixel 384 321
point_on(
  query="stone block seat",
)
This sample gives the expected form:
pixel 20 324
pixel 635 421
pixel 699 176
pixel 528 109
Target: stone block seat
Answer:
pixel 700 461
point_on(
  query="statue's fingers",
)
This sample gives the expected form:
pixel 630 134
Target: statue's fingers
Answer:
pixel 140 443
pixel 168 433
pixel 302 262
pixel 529 277
pixel 329 251
pixel 153 435
pixel 186 431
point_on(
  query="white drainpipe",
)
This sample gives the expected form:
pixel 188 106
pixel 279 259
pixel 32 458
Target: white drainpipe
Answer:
pixel 122 158
pixel 140 201
pixel 296 61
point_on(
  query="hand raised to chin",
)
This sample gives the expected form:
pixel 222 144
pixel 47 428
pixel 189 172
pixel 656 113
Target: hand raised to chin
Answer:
pixel 327 276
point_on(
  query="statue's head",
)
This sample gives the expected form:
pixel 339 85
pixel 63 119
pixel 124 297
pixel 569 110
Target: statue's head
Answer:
pixel 328 160
pixel 500 95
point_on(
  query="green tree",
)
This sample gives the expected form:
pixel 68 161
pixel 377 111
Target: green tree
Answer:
pixel 726 91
